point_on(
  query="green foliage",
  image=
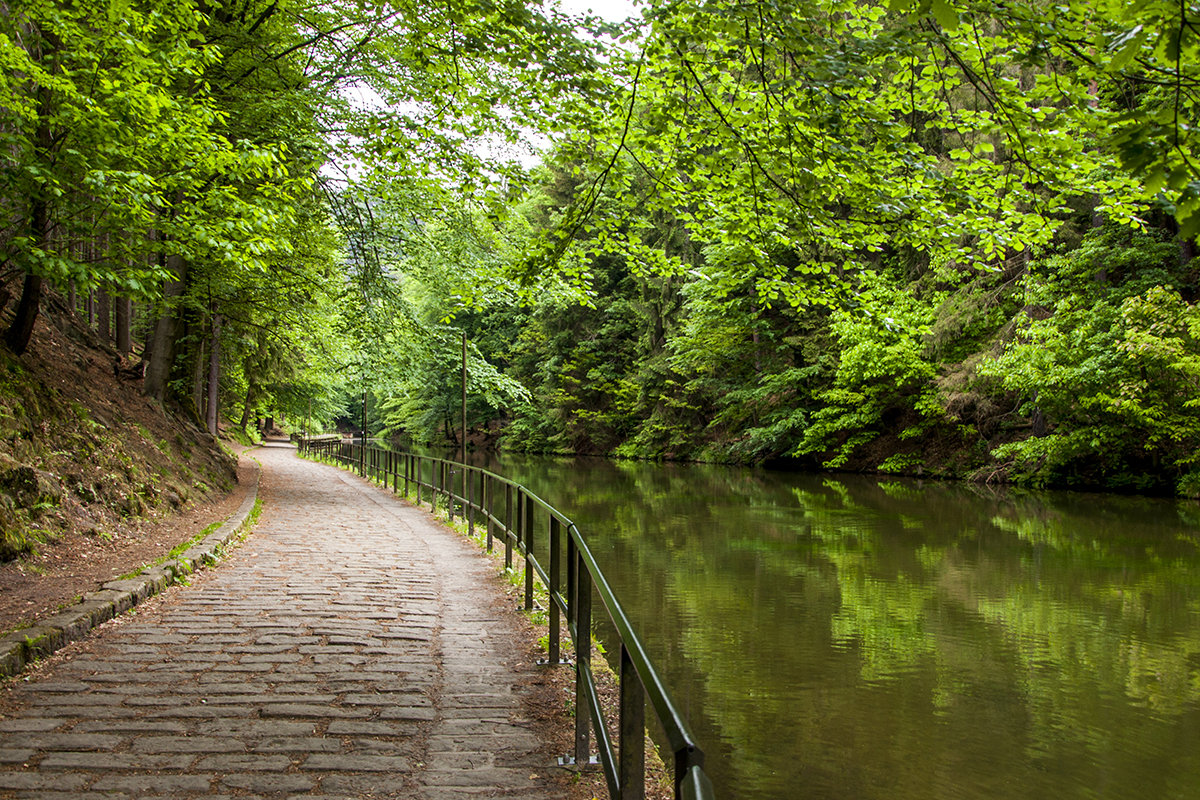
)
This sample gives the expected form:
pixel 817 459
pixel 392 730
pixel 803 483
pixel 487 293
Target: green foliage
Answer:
pixel 1112 370
pixel 776 230
pixel 882 372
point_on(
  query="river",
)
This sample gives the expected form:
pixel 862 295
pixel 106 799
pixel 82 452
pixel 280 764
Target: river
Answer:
pixel 876 639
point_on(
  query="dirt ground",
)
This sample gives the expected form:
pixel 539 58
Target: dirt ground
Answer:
pixel 78 563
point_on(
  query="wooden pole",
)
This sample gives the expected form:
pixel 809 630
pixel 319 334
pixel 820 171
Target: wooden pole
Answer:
pixel 464 401
pixel 464 415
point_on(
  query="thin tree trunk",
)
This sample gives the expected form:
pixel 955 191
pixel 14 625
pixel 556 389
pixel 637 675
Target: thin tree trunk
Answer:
pixel 249 405
pixel 166 334
pixel 198 374
pixel 103 315
pixel 214 374
pixel 73 299
pixel 124 325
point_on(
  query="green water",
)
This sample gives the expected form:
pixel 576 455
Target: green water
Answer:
pixel 850 638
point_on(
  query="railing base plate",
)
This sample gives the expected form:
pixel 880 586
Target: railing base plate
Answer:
pixel 569 762
pixel 562 662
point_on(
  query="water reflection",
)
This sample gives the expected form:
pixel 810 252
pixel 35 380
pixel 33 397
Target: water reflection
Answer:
pixel 851 638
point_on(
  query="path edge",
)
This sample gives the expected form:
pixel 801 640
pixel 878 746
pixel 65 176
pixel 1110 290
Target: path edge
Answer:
pixel 21 648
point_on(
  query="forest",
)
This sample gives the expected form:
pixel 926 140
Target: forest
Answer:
pixel 929 237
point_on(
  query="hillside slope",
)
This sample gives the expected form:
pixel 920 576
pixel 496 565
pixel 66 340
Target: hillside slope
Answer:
pixel 84 456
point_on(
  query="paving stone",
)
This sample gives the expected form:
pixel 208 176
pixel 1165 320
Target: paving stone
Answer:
pixel 258 763
pixel 143 785
pixel 54 686
pixel 30 724
pixel 356 727
pixel 104 762
pixel 366 785
pixel 130 726
pixel 356 763
pixel 73 741
pixel 256 782
pixel 58 781
pixel 297 744
pixel 313 711
pixel 187 744
pixel 255 727
pixel 352 658
pixel 408 712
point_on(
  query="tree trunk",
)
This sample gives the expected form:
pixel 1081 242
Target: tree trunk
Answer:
pixel 198 374
pixel 73 298
pixel 124 324
pixel 21 330
pixel 166 334
pixel 103 317
pixel 249 406
pixel 214 374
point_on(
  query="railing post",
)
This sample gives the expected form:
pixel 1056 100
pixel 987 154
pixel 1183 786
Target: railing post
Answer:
pixel 555 535
pixel 583 660
pixel 508 524
pixel 489 502
pixel 572 566
pixel 407 472
pixel 529 557
pixel 434 467
pixel 449 484
pixel 632 731
pixel 469 507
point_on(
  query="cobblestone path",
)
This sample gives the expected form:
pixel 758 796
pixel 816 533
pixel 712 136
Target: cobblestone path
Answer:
pixel 349 648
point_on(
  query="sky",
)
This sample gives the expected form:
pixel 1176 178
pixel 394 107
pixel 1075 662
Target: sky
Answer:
pixel 610 10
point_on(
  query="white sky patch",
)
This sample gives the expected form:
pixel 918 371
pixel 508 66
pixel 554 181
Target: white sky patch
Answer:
pixel 609 10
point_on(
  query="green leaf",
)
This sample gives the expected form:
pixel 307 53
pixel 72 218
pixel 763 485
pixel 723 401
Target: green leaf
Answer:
pixel 945 14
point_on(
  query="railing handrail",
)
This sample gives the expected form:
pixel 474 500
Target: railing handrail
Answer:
pixel 583 573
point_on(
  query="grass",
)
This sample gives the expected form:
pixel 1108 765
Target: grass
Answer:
pixel 187 544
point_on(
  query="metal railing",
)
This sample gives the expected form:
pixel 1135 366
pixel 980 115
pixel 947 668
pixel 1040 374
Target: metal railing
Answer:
pixel 507 510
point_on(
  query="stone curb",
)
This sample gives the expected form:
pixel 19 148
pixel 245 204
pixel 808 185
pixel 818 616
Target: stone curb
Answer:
pixel 20 648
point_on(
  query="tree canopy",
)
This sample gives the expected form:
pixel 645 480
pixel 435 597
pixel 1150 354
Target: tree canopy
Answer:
pixel 928 234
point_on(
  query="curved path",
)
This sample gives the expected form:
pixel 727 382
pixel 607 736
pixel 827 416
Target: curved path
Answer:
pixel 351 647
